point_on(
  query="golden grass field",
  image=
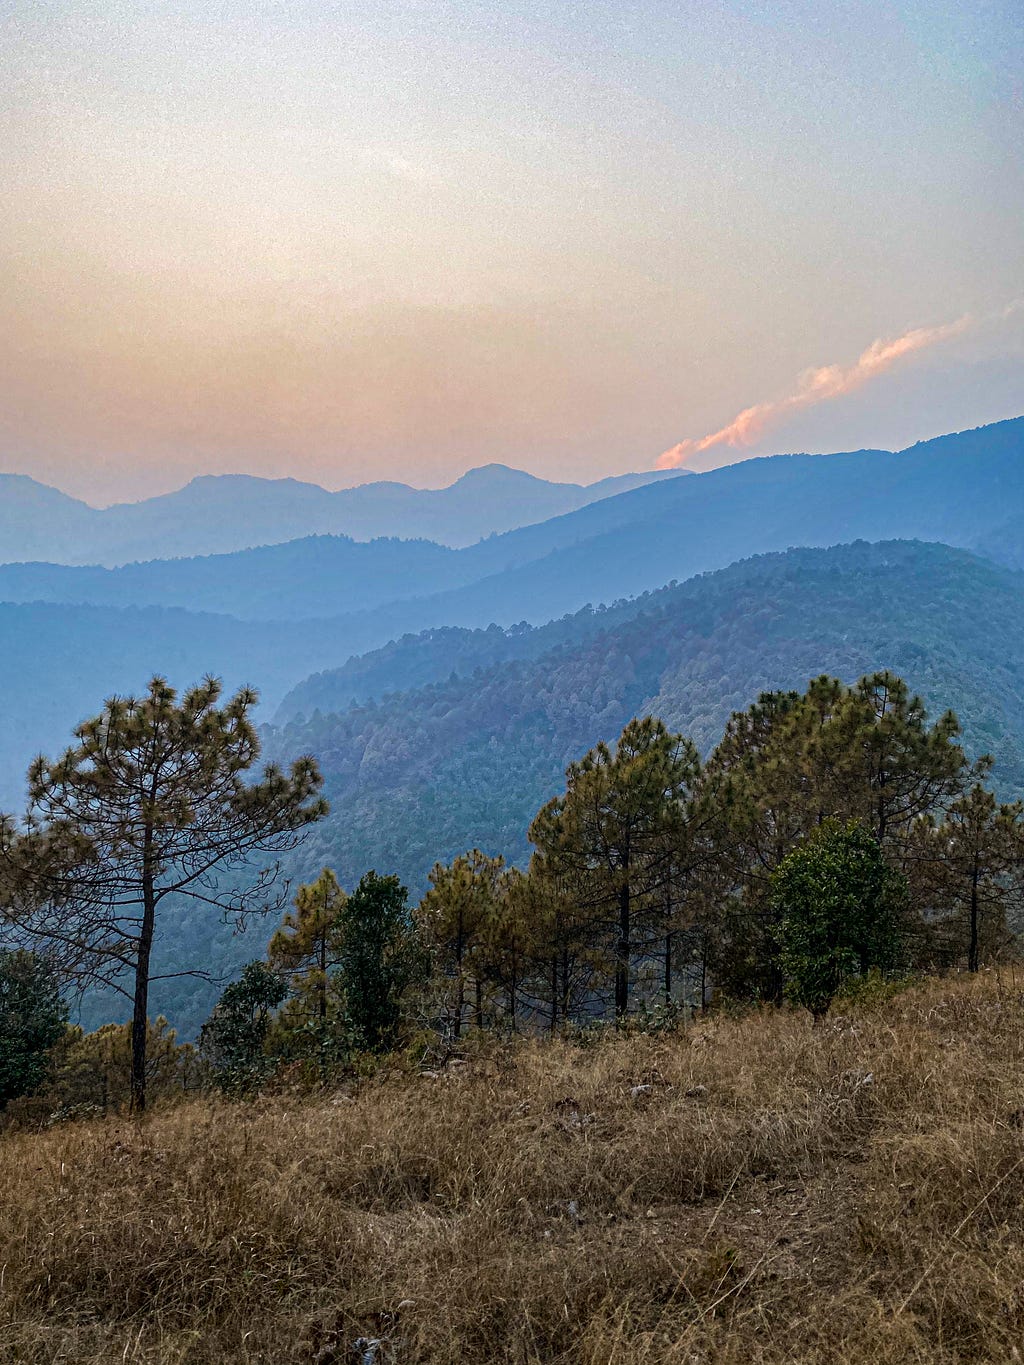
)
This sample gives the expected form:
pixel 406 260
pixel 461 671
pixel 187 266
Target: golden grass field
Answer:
pixel 748 1190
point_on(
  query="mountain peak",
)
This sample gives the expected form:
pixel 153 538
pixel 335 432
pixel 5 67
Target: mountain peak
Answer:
pixel 493 475
pixel 31 491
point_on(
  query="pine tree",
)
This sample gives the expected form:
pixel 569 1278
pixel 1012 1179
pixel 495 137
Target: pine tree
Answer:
pixel 616 828
pixel 150 803
pixel 507 937
pixel 564 938
pixel 882 762
pixel 455 919
pixel 968 868
pixel 756 805
pixel 380 959
pixel 308 946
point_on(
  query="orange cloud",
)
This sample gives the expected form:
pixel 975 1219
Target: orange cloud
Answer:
pixel 814 386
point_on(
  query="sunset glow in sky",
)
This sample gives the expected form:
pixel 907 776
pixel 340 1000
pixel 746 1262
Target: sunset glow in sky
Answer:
pixel 347 241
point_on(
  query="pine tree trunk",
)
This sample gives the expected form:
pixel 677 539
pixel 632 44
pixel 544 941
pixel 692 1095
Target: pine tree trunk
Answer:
pixel 668 969
pixel 622 956
pixel 972 951
pixel 460 994
pixel 322 1006
pixel 140 1013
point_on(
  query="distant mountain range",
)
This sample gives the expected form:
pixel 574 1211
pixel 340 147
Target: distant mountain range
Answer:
pixel 219 514
pixel 965 490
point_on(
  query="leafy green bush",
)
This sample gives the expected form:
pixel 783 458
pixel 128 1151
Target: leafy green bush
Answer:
pixel 840 907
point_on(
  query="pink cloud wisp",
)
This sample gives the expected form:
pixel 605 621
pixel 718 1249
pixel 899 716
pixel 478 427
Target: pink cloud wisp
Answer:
pixel 814 386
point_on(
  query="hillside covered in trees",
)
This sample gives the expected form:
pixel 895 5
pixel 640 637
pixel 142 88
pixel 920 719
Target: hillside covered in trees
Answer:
pixel 465 760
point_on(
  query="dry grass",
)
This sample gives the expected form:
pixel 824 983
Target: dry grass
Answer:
pixel 769 1193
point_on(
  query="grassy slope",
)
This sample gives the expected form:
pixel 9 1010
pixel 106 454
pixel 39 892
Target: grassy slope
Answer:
pixel 775 1194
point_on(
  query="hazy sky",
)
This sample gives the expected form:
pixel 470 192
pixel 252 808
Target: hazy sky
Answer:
pixel 364 240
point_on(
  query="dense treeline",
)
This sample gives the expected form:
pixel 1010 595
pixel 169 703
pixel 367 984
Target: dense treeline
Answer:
pixel 658 881
pixel 831 835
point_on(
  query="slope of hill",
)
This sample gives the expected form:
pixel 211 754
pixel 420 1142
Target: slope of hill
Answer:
pixel 218 514
pixel 415 661
pixel 469 759
pixel 35 519
pixel 747 1189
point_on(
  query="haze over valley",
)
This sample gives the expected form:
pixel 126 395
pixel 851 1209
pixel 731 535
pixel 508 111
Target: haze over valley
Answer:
pixel 272 616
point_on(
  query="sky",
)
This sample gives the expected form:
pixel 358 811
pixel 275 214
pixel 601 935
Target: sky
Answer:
pixel 349 241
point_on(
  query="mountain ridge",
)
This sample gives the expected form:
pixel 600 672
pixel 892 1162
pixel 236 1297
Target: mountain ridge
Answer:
pixel 228 512
pixel 964 489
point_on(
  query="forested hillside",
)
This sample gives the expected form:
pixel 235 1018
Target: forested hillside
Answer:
pixel 466 761
pixel 414 661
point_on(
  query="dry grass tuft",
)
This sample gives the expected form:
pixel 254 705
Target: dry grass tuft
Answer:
pixel 749 1191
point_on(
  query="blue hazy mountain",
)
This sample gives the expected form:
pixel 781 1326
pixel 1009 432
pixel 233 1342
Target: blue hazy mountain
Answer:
pixel 965 490
pixel 217 514
pixel 316 576
pixel 58 663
